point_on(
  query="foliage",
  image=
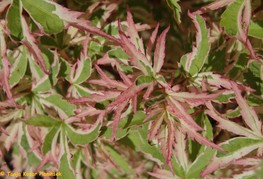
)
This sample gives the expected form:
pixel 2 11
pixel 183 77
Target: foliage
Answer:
pixel 88 92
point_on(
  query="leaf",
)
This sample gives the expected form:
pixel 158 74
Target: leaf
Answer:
pixel 136 120
pixel 180 148
pixel 65 168
pixel 151 41
pixel 139 139
pixel 254 76
pixel 33 159
pixel 230 17
pixel 137 57
pixel 236 148
pixel 82 71
pixel 5 66
pixel 132 32
pixel 41 11
pixel 51 137
pixel 159 53
pixel 127 94
pixel 42 121
pixel 118 53
pixel 30 43
pixel 178 111
pixel 192 98
pixel 202 160
pixel 155 126
pixel 119 160
pixel 130 122
pixel 64 108
pixel 13 18
pixel 204 156
pixel 117 118
pixel 255 29
pixel 42 85
pixel 249 115
pixel 78 137
pixel 173 4
pixel 18 68
pixel 4 4
pixel 230 125
pixel 194 61
pixel 217 4
pixel 143 79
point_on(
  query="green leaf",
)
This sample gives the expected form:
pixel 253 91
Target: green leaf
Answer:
pixel 119 160
pixel 254 77
pixel 42 81
pixel 124 125
pixel 82 138
pixel 18 69
pixel 65 168
pixel 139 140
pixel 173 4
pixel 225 97
pixel 194 61
pixel 256 29
pixel 200 163
pixel 254 100
pixel 49 139
pixel 33 160
pixel 143 79
pixel 118 54
pixel 83 71
pixel 14 19
pixel 80 90
pixel 236 144
pixel 215 62
pixel 64 108
pixel 233 113
pixel 136 120
pixel 229 19
pixel 205 153
pixel 42 85
pixel 42 121
pixel 41 12
pixel 239 67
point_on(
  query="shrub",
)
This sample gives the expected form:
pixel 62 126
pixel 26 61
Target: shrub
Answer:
pixel 92 94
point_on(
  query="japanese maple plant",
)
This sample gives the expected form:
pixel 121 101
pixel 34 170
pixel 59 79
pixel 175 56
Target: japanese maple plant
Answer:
pixel 132 89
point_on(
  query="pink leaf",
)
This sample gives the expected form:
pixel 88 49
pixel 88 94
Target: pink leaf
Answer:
pixel 138 59
pixel 249 115
pixel 217 163
pixel 29 42
pixel 151 42
pixel 128 94
pixel 181 148
pixel 4 4
pixel 194 99
pixel 213 6
pixel 229 125
pixel 71 18
pixel 177 110
pixel 198 137
pixel 170 140
pixel 148 91
pixel 155 126
pixel 117 118
pixel 108 81
pixel 132 32
pixel 159 52
pixel 5 71
pixel 107 95
pixel 124 77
